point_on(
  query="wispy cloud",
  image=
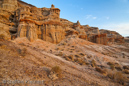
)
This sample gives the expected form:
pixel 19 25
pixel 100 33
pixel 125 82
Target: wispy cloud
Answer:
pixel 90 17
pixel 94 17
pixel 122 28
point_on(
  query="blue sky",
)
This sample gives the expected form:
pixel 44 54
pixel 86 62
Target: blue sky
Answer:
pixel 105 14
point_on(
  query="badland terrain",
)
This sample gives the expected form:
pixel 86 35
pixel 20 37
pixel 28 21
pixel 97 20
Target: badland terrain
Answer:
pixel 37 45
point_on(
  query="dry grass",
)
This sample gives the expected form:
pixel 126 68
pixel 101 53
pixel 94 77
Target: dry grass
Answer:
pixel 117 77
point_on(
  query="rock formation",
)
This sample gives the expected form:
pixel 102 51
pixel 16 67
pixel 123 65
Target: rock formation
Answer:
pixel 20 19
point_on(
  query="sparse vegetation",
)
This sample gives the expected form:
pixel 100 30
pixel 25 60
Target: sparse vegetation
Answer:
pixel 118 68
pixel 100 70
pixel 82 54
pixel 71 57
pixel 93 63
pixel 59 54
pixel 77 56
pixel 89 56
pixel 117 77
pixel 126 71
pixel 80 61
pixel 57 70
pixel 112 66
pixel 2 36
pixel 126 67
pixel 22 52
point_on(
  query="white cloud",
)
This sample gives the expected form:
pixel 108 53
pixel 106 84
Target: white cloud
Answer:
pixel 122 28
pixel 94 17
pixel 90 17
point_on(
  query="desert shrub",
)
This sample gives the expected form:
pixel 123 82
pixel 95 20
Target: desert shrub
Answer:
pixel 93 63
pixel 119 78
pixel 118 68
pixel 57 70
pixel 64 43
pixel 126 71
pixel 77 56
pixel 80 61
pixel 78 51
pixel 62 49
pixel 22 44
pixel 82 54
pixel 71 57
pixel 2 36
pixel 100 70
pixel 126 67
pixel 112 67
pixel 87 63
pixel 59 54
pixel 73 46
pixel 110 63
pixel 57 48
pixel 22 52
pixel 67 58
pixel 71 51
pixel 3 46
pixel 110 75
pixel 89 56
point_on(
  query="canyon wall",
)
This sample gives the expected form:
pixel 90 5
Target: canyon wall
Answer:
pixel 20 19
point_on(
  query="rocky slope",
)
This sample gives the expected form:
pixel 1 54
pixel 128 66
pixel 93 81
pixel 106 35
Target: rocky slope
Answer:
pixel 82 63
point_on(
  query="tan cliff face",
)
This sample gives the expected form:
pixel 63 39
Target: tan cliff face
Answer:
pixel 20 19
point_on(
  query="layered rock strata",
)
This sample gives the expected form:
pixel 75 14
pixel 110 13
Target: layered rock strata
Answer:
pixel 20 19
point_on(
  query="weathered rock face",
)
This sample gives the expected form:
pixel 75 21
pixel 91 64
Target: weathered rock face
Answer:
pixel 113 36
pixel 20 19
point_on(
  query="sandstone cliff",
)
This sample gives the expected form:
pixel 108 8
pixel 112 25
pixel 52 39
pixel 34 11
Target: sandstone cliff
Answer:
pixel 20 19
